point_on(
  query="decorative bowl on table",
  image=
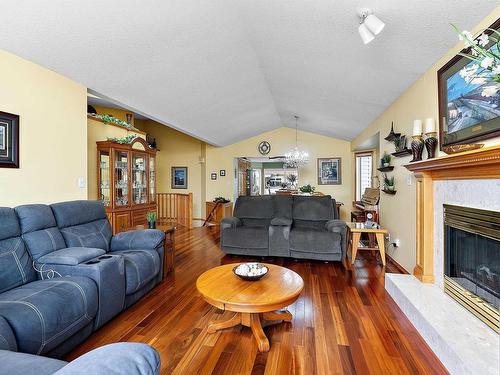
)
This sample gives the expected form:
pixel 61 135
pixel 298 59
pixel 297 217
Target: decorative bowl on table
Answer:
pixel 250 271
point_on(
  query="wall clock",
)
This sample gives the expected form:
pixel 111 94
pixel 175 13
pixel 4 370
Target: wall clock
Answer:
pixel 264 147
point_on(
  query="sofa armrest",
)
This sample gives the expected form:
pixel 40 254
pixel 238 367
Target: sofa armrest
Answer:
pixel 281 221
pixel 138 239
pixel 7 338
pixel 125 358
pixel 230 222
pixel 338 226
pixel 71 256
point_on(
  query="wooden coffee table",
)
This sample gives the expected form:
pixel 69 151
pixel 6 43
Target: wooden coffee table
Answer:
pixel 251 301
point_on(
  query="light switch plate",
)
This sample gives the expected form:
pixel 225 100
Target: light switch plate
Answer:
pixel 81 182
pixel 409 180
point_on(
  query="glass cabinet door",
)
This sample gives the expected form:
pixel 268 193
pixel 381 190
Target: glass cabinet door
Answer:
pixel 152 179
pixel 139 179
pixel 104 177
pixel 121 178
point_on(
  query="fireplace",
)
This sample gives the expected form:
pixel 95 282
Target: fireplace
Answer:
pixel 472 260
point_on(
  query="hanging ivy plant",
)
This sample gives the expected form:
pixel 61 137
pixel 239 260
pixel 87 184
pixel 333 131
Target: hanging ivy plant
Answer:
pixel 108 119
pixel 123 140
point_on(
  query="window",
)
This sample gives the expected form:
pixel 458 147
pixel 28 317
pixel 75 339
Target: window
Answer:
pixel 364 163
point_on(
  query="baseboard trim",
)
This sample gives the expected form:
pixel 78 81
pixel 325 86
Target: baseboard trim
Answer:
pixel 396 264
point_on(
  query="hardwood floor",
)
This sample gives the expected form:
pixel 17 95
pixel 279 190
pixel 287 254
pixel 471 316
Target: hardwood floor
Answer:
pixel 343 323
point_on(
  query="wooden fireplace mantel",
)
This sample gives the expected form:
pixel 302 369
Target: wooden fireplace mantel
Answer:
pixel 482 163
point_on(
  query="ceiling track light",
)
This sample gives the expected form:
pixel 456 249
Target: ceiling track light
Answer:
pixel 369 25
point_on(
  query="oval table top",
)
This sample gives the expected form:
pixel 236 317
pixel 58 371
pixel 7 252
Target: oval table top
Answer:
pixel 221 288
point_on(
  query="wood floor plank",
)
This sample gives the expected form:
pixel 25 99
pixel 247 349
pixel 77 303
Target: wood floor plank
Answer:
pixel 344 322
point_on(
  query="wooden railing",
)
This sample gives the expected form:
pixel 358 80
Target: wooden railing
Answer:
pixel 175 208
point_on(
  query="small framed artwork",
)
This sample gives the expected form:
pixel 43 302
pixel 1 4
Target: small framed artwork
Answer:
pixel 213 176
pixel 469 98
pixel 9 140
pixel 329 171
pixel 222 172
pixel 179 177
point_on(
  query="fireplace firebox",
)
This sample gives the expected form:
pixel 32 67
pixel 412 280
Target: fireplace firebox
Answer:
pixel 472 260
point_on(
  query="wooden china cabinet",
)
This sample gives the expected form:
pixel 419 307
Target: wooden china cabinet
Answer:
pixel 126 182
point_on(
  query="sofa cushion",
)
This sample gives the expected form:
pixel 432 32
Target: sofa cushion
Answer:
pixel 28 364
pixel 313 208
pixel 123 358
pixel 9 226
pixel 261 207
pixel 246 237
pixel 15 264
pixel 71 256
pixel 141 266
pixel 283 206
pixel 7 338
pixel 315 241
pixel 39 231
pixel 44 313
pixel 73 213
pixel 95 234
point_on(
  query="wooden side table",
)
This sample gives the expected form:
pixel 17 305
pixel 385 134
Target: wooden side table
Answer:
pixel 168 246
pixel 356 229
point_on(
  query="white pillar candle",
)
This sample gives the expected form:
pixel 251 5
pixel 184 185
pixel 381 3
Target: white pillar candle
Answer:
pixel 417 127
pixel 429 127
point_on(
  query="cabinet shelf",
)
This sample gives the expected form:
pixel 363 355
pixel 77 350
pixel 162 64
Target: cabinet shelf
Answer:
pixel 402 153
pixel 386 169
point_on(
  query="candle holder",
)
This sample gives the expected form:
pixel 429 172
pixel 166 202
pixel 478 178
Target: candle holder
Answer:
pixel 417 148
pixel 431 144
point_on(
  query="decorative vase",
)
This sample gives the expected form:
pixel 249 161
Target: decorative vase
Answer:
pixel 430 145
pixel 152 224
pixel 417 148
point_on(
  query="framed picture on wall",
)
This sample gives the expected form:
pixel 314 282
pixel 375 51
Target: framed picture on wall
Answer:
pixel 222 172
pixel 179 177
pixel 329 171
pixel 9 140
pixel 469 99
pixel 213 176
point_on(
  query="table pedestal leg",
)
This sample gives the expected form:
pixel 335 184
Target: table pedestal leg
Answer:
pixel 254 321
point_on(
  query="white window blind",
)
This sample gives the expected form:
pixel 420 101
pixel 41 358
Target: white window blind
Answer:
pixel 363 174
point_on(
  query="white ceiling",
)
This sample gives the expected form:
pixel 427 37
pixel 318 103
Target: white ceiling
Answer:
pixel 225 70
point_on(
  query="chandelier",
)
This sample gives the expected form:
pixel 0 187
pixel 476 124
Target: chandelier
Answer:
pixel 296 158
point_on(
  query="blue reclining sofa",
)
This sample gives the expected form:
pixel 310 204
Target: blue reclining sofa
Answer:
pixel 63 274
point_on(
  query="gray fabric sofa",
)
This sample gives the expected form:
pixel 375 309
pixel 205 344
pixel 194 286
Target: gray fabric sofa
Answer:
pixel 119 359
pixel 306 227
pixel 63 275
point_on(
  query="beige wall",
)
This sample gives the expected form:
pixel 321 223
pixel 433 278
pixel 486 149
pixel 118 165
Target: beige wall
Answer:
pixel 282 140
pixel 98 131
pixel 418 102
pixel 53 133
pixel 179 150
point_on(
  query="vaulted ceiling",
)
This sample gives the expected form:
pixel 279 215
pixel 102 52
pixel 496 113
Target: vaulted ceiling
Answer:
pixel 225 70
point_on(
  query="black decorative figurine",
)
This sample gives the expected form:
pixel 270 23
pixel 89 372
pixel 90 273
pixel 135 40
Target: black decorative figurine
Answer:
pixel 430 144
pixel 417 148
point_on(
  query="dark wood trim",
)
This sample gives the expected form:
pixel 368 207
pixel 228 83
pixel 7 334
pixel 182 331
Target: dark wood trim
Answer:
pixel 395 264
pixel 14 161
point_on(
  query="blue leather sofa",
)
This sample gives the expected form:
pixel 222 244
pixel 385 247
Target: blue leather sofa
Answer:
pixel 306 227
pixel 63 273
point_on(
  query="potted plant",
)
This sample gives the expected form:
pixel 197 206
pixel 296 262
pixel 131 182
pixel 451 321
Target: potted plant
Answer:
pixel 388 183
pixel 151 218
pixel 400 143
pixel 386 160
pixel 307 189
pixel 292 179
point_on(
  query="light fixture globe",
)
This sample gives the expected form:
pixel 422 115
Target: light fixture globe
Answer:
pixel 374 24
pixel 365 34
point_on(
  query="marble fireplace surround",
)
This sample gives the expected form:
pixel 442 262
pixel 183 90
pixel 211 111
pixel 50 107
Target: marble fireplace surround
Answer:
pixel 463 343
